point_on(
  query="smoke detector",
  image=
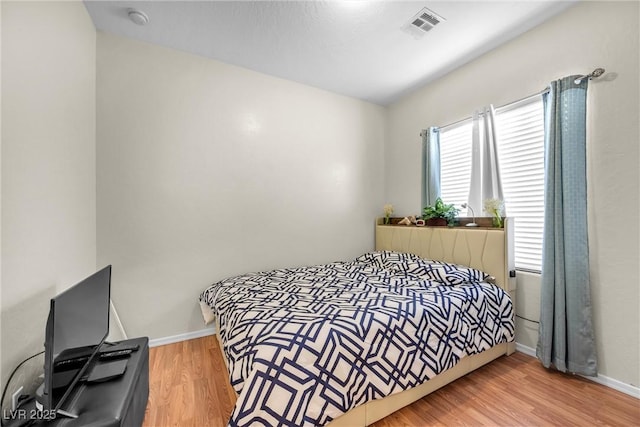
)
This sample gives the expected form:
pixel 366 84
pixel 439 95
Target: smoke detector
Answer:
pixel 422 22
pixel 138 17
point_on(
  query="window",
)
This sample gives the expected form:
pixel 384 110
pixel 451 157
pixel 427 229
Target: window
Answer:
pixel 520 132
pixel 455 163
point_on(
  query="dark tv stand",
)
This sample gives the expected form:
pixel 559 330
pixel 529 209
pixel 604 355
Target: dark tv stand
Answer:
pixel 121 401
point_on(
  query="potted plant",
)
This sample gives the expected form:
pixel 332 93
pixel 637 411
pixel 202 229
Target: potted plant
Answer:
pixel 440 214
pixel 388 211
pixel 495 207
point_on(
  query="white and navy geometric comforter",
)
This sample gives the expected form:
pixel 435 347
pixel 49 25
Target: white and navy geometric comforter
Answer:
pixel 305 345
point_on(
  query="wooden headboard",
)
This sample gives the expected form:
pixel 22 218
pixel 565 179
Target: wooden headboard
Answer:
pixel 486 249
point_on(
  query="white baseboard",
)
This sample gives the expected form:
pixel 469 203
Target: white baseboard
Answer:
pixel 526 350
pixel 181 337
pixel 625 388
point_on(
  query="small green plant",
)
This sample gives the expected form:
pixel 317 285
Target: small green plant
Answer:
pixel 495 207
pixel 388 211
pixel 441 210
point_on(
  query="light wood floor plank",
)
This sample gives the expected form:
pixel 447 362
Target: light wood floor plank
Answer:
pixel 189 386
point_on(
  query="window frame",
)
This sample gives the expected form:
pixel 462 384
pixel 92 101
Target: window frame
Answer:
pixel 527 262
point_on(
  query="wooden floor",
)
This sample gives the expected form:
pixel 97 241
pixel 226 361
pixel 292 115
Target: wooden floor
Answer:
pixel 189 387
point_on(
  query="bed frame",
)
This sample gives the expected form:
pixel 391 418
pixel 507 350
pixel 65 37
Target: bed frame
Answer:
pixel 486 249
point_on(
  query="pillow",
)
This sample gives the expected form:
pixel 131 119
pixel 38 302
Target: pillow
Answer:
pixel 453 274
pixel 388 259
pixel 438 271
pixel 449 274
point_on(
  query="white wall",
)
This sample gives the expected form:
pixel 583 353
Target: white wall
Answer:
pixel 1 370
pixel 588 35
pixel 207 170
pixel 48 165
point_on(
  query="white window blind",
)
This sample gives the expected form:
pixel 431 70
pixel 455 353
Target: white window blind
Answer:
pixel 455 163
pixel 520 132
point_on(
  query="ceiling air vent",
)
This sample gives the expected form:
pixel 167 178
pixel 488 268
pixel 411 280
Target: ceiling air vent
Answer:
pixel 424 21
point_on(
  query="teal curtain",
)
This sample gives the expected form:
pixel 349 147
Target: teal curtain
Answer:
pixel 566 338
pixel 430 166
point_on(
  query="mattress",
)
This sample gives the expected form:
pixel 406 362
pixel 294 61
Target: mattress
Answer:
pixel 305 345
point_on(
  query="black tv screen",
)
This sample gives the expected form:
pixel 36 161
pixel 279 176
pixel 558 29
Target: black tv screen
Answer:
pixel 77 325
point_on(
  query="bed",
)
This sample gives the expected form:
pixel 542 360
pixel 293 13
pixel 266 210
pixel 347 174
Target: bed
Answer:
pixel 348 343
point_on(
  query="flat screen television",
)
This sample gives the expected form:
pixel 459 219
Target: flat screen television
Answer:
pixel 77 326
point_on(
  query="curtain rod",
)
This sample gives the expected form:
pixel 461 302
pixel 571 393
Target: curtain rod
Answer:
pixel 510 104
pixel 594 74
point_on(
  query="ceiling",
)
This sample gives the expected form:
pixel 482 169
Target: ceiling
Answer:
pixel 357 48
